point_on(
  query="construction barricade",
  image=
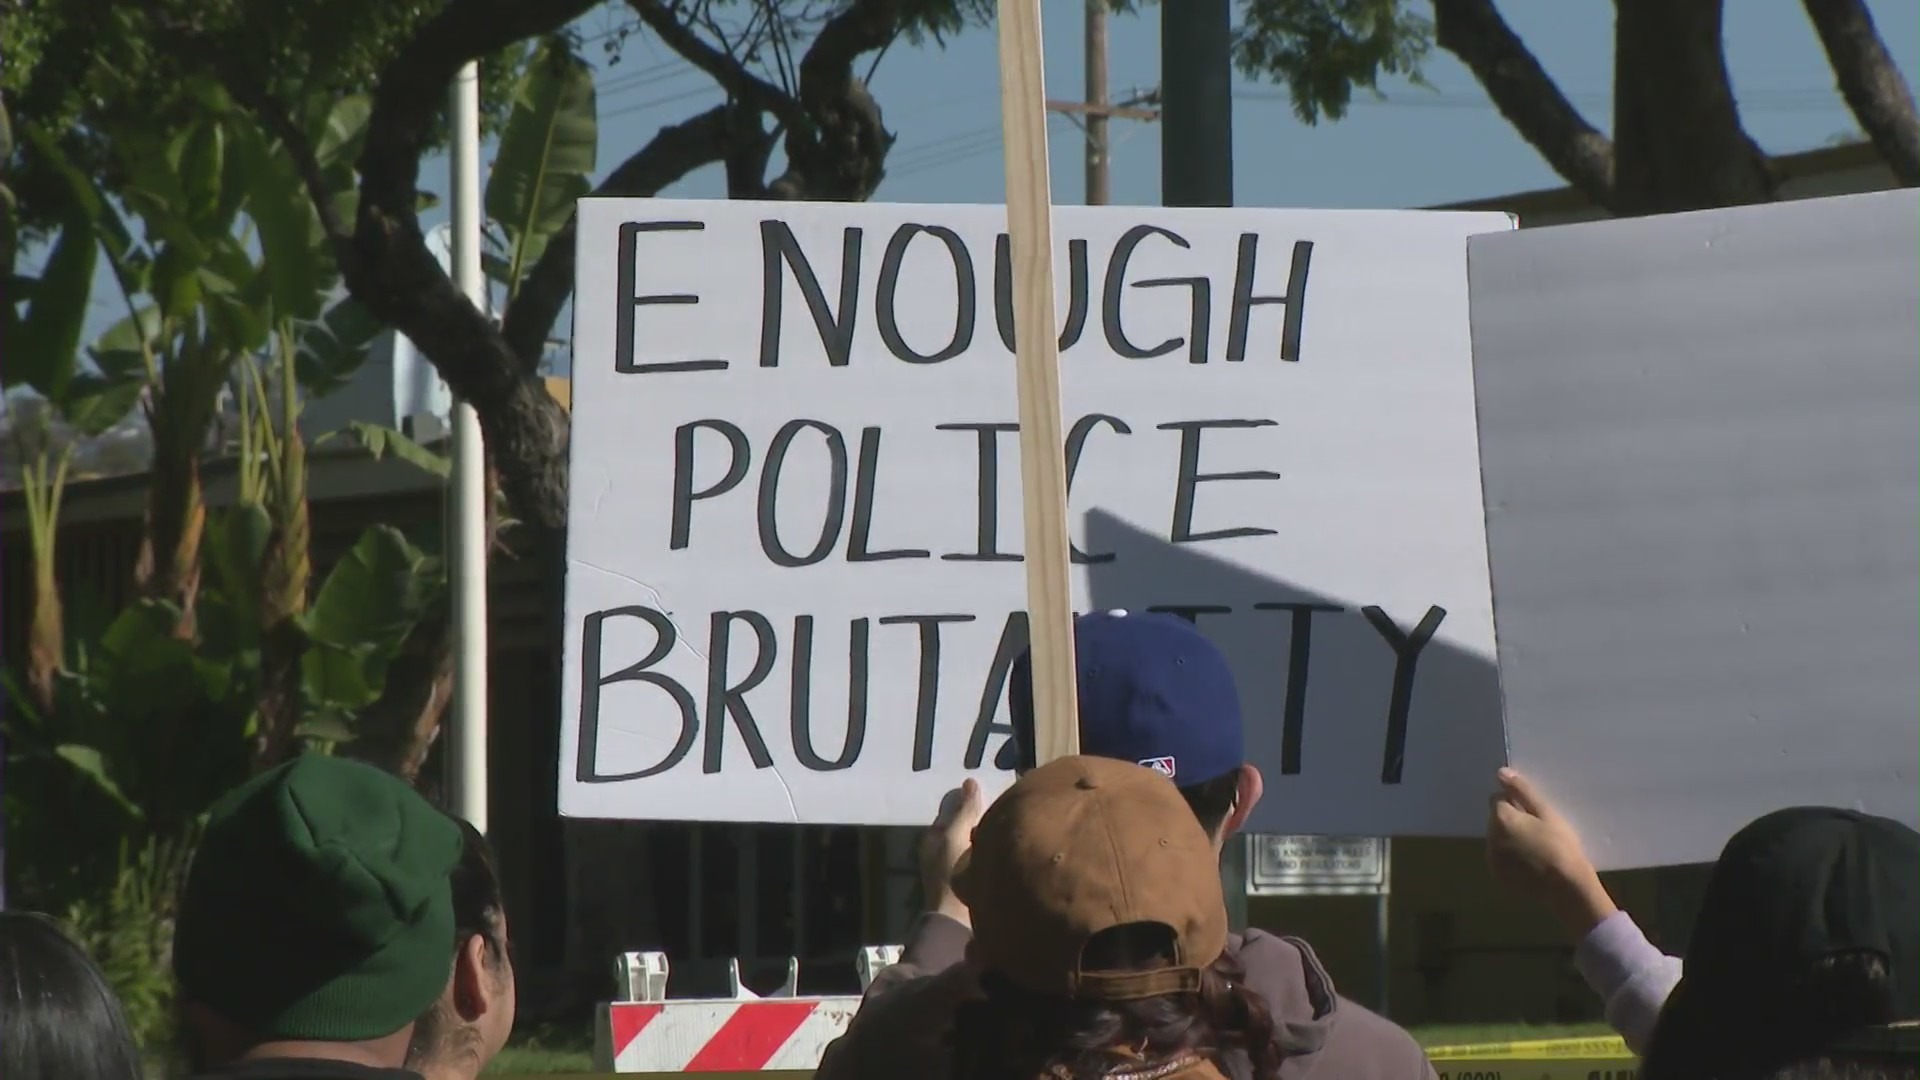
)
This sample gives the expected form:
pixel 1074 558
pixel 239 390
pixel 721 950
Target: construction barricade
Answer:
pixel 744 1032
pixel 646 1032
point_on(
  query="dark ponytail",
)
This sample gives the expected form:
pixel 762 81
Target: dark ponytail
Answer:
pixel 1013 1032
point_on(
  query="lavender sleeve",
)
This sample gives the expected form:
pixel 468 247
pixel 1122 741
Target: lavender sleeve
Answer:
pixel 1631 976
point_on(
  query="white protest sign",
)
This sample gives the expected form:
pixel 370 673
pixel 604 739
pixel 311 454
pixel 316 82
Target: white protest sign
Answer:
pixel 1701 442
pixel 793 588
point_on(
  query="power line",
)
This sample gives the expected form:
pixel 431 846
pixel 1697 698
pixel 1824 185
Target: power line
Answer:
pixel 938 142
pixel 643 106
pixel 945 150
pixel 627 25
pixel 922 163
pixel 647 76
pixel 955 147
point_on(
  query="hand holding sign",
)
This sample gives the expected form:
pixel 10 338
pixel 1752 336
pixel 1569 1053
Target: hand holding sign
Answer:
pixel 1535 851
pixel 942 845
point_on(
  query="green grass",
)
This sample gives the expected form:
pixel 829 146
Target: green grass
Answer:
pixel 557 1050
pixel 547 1050
pixel 1463 1034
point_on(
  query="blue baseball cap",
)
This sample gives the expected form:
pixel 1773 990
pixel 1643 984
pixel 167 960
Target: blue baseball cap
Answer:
pixel 1153 691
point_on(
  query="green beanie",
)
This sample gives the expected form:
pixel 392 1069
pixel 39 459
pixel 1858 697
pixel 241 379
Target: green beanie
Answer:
pixel 319 906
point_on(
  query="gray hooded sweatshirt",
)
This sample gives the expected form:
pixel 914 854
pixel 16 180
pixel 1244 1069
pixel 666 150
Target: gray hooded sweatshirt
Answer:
pixel 902 1027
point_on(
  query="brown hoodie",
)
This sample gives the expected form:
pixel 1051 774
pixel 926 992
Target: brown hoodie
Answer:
pixel 902 1026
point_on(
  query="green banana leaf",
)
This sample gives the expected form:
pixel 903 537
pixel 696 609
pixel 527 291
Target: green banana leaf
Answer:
pixel 547 155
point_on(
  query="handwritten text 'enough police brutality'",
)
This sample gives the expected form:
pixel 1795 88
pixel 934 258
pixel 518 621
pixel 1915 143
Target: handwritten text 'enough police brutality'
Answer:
pixel 846 463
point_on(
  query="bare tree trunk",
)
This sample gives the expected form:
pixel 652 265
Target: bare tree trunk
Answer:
pixel 383 254
pixel 180 413
pixel 1525 94
pixel 1678 142
pixel 1871 82
pixel 287 572
pixel 169 560
pixel 397 731
pixel 387 266
pixel 47 636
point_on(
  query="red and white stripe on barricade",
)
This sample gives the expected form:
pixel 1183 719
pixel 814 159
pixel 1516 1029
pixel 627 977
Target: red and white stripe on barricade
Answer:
pixel 740 1033
pixel 726 1036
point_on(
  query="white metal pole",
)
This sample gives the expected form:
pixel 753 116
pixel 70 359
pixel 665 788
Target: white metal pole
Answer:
pixel 1382 947
pixel 467 749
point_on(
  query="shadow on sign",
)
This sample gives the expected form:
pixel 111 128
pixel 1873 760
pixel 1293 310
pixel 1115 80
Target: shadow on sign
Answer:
pixel 1341 695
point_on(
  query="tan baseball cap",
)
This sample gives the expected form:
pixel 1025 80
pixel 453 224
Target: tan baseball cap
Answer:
pixel 1079 846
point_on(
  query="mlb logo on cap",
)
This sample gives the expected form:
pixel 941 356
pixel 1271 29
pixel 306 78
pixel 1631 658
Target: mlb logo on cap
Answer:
pixel 1153 690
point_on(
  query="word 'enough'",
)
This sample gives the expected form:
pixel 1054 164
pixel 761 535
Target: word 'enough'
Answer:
pixel 726 702
pixel 781 256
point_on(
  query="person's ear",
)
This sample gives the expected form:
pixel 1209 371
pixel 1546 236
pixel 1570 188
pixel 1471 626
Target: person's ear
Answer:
pixel 1247 789
pixel 472 985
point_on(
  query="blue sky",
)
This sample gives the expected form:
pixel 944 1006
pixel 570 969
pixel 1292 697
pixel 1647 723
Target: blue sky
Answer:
pixel 1416 147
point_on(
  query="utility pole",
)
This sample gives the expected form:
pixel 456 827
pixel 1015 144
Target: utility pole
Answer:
pixel 1196 169
pixel 1196 98
pixel 1098 162
pixel 1095 114
pixel 1093 118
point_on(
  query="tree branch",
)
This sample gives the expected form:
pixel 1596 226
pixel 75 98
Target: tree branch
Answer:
pixel 1871 82
pixel 399 280
pixel 747 156
pixel 305 162
pixel 671 154
pixel 1525 94
pixel 413 87
pixel 841 152
pixel 864 26
pixel 1678 142
pixel 396 731
pixel 729 72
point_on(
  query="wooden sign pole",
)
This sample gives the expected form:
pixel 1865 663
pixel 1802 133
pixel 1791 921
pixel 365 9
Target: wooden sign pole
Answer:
pixel 1043 479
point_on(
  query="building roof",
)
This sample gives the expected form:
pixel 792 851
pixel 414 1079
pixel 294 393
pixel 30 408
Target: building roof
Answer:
pixel 1563 202
pixel 338 468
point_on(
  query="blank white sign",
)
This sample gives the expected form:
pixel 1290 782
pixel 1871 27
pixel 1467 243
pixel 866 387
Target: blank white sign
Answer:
pixel 1700 442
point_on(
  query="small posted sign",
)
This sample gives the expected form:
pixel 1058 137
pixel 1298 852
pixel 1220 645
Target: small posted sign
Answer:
pixel 1316 866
